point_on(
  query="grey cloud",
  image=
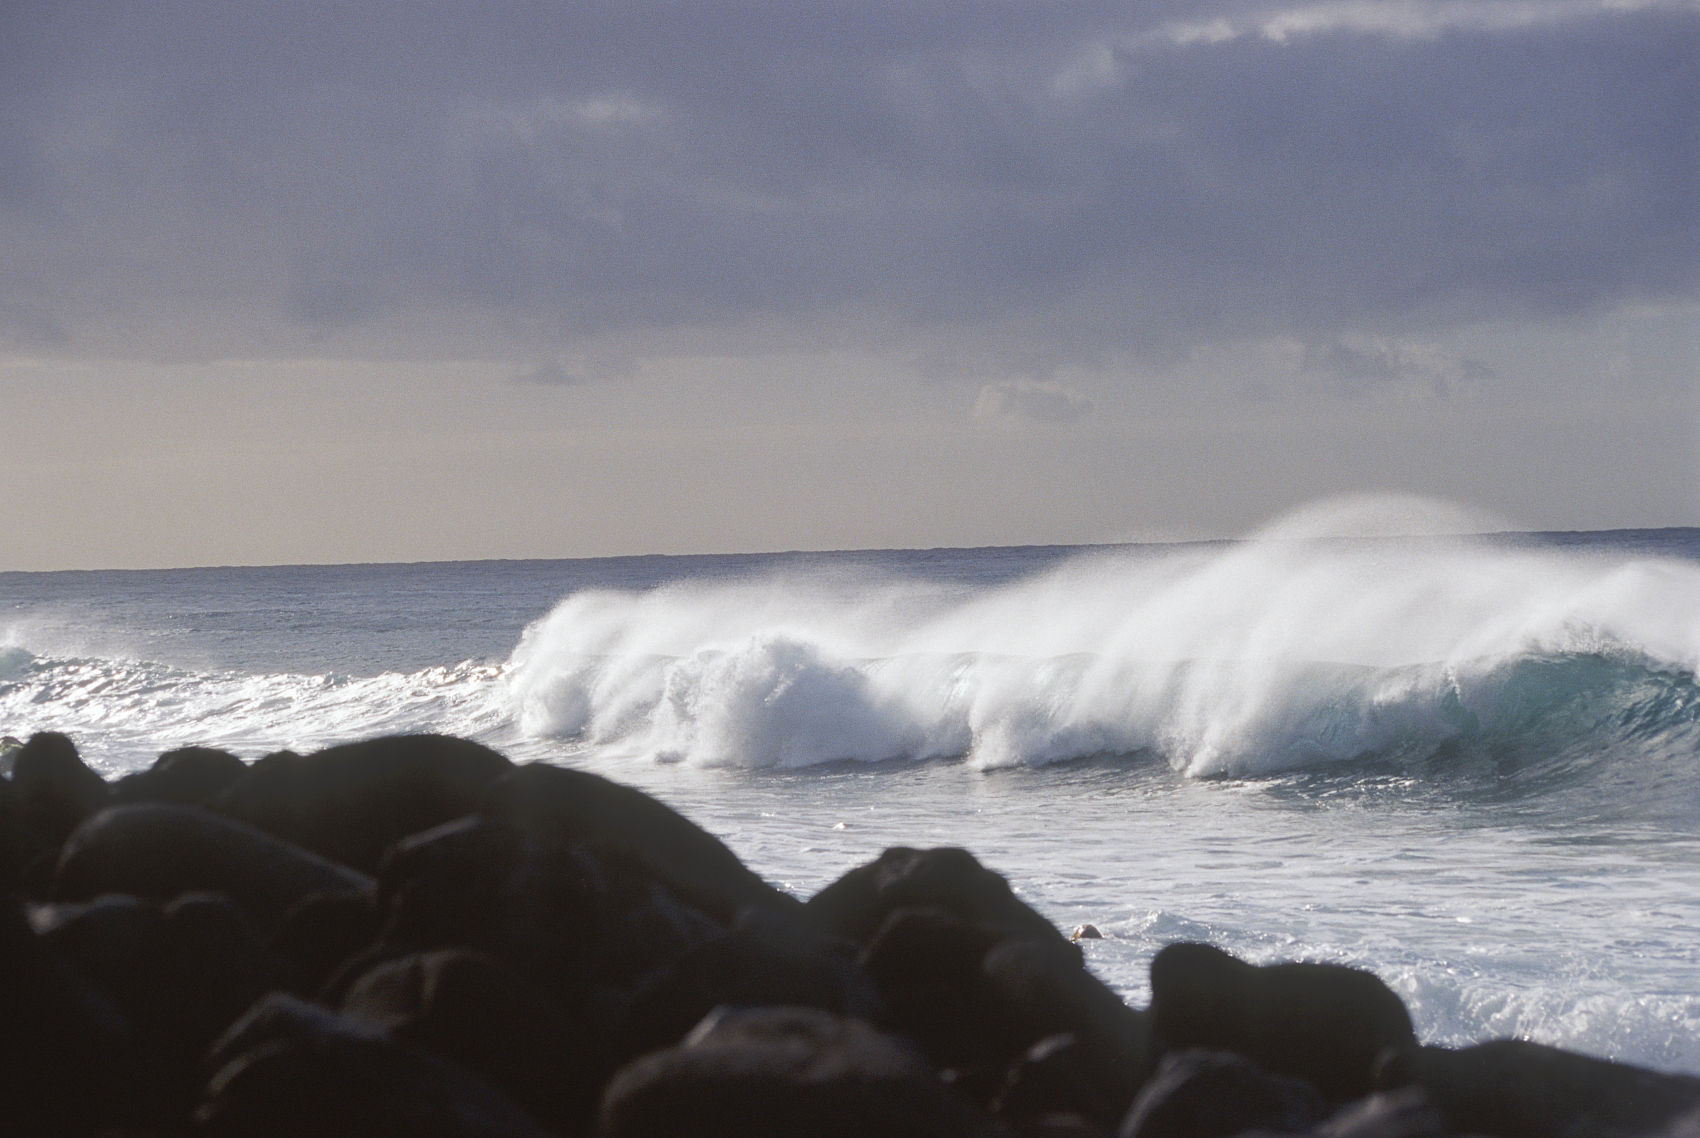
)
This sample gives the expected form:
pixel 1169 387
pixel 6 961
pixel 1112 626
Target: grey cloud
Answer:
pixel 1024 400
pixel 1370 364
pixel 877 172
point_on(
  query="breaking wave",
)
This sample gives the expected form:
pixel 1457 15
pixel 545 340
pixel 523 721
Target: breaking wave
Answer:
pixel 1291 652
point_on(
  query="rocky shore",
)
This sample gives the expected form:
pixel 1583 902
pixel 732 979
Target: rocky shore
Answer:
pixel 412 936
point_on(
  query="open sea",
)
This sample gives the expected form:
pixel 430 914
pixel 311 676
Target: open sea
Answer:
pixel 1470 765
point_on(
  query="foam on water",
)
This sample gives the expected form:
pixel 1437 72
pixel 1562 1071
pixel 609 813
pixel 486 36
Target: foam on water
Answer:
pixel 120 711
pixel 1292 650
pixel 1467 764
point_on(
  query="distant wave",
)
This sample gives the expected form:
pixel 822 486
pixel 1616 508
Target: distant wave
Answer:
pixel 123 712
pixel 1285 653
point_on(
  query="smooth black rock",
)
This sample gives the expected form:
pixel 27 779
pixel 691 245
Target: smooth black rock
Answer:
pixel 623 824
pixel 188 776
pixel 534 898
pixel 1403 1113
pixel 289 1069
pixel 1516 1089
pixel 857 904
pixel 157 851
pixel 1325 1023
pixel 351 803
pixel 179 975
pixel 765 959
pixel 785 1073
pixel 52 790
pixel 926 965
pixel 474 1010
pixel 68 1059
pixel 1051 993
pixel 320 932
pixel 1209 1094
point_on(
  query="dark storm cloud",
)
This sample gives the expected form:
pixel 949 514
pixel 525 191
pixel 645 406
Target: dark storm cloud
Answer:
pixel 1082 176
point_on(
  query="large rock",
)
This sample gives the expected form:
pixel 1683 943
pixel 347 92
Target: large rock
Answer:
pixel 289 1069
pixel 158 851
pixel 52 791
pixel 1205 1094
pixel 857 904
pixel 1325 1023
pixel 351 803
pixel 626 825
pixel 1516 1089
pixel 785 1073
pixel 550 907
pixel 179 974
pixel 68 1060
pixel 188 776
pixel 474 1010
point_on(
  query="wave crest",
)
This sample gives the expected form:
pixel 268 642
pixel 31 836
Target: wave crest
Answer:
pixel 1269 656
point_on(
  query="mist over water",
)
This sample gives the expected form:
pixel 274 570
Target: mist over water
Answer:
pixel 1296 649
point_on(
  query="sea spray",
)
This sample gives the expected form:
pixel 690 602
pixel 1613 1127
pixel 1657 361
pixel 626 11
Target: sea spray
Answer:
pixel 1288 650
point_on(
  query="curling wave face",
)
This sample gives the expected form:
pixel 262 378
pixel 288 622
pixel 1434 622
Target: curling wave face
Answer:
pixel 1281 654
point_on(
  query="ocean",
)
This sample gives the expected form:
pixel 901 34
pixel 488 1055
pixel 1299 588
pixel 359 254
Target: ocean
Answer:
pixel 1471 765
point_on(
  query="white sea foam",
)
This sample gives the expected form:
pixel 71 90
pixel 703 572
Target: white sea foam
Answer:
pixel 1295 648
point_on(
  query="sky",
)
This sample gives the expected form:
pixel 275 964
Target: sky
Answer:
pixel 298 282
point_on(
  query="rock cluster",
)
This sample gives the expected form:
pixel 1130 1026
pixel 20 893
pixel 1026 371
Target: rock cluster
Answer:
pixel 413 936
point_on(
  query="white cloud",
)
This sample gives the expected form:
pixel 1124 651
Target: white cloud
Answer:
pixel 1025 400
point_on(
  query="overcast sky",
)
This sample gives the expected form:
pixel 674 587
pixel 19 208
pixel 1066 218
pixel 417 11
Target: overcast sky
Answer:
pixel 303 282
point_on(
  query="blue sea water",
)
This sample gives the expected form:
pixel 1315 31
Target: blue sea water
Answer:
pixel 1469 764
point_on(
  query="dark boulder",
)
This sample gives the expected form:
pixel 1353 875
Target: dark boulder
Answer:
pixel 1325 1023
pixel 785 1073
pixel 319 933
pixel 857 904
pixel 178 974
pixel 474 1010
pixel 1206 1094
pixel 188 776
pixel 549 907
pixel 351 803
pixel 764 959
pixel 925 963
pixel 1516 1089
pixel 626 826
pixel 52 791
pixel 68 1060
pixel 1403 1113
pixel 288 1068
pixel 157 851
pixel 1051 993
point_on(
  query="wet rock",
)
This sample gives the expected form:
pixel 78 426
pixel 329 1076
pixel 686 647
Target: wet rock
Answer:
pixel 785 1073
pixel 351 803
pixel 158 851
pixel 626 826
pixel 188 776
pixel 1517 1089
pixel 1206 1094
pixel 1325 1023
